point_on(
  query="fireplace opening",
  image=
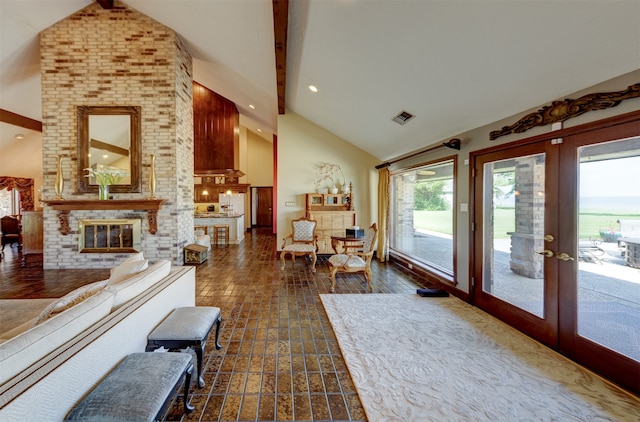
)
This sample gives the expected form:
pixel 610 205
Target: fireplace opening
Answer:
pixel 110 236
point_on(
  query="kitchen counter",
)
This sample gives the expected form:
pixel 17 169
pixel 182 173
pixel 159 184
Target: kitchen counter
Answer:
pixel 211 215
pixel 235 223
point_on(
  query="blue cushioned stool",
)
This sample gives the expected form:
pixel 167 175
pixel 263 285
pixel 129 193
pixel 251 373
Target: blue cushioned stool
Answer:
pixel 138 389
pixel 187 327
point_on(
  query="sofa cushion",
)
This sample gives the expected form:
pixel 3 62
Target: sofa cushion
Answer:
pixel 127 269
pixel 133 286
pixel 136 257
pixel 23 350
pixel 69 300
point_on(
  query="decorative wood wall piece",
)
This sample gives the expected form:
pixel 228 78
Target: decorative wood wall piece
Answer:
pixel 559 111
pixel 151 206
pixel 22 185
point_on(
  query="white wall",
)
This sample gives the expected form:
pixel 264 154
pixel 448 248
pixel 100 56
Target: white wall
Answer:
pixel 259 160
pixel 302 147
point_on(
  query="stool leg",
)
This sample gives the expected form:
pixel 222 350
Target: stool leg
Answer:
pixel 199 349
pixel 218 321
pixel 188 408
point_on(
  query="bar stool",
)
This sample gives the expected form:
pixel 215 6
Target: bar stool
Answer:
pixel 221 231
pixel 203 228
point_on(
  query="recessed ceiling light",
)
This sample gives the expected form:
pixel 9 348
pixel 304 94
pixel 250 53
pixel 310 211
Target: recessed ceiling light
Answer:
pixel 105 156
pixel 19 136
pixel 260 130
pixel 252 107
pixel 313 88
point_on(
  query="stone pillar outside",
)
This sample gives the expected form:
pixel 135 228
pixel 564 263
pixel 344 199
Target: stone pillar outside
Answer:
pixel 529 214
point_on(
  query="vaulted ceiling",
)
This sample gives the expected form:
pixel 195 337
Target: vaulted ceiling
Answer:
pixel 454 64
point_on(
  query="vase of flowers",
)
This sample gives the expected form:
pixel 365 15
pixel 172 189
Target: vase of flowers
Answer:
pixel 105 176
pixel 103 192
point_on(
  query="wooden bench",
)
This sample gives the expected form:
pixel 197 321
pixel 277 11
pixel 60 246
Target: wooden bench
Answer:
pixel 138 389
pixel 187 327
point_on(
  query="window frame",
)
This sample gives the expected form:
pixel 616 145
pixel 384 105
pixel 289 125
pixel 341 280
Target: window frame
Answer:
pixel 414 261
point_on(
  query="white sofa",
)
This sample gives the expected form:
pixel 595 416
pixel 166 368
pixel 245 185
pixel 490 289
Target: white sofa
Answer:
pixel 48 368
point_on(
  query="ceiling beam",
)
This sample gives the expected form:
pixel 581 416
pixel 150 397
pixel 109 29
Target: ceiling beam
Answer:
pixel 108 147
pixel 17 120
pixel 280 25
pixel 106 4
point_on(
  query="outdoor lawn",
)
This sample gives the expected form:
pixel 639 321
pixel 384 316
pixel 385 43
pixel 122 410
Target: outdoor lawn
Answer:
pixel 592 221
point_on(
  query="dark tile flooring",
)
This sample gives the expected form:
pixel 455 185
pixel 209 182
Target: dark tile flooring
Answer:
pixel 280 359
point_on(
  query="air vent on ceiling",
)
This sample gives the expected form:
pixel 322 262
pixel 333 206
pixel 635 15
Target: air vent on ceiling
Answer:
pixel 403 118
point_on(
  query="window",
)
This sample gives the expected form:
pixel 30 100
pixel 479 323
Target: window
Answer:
pixel 422 217
pixel 9 202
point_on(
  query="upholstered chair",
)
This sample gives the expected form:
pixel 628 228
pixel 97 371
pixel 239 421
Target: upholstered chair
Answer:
pixel 10 227
pixel 355 262
pixel 302 242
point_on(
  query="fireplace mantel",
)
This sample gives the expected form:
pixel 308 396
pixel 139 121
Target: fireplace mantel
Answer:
pixel 64 207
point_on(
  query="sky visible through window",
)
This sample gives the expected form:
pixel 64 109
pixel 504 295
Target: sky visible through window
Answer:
pixel 611 183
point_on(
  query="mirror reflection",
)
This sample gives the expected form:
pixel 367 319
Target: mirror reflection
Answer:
pixel 109 140
pixel 110 145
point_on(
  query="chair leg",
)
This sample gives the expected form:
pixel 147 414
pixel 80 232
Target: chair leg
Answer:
pixel 282 254
pixel 367 277
pixel 313 264
pixel 333 279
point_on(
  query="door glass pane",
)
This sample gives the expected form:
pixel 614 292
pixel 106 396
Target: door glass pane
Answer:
pixel 513 224
pixel 421 215
pixel 609 245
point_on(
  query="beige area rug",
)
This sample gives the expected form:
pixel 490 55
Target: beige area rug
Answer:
pixel 440 359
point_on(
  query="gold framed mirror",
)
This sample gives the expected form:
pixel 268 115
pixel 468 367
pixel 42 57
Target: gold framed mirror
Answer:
pixel 109 137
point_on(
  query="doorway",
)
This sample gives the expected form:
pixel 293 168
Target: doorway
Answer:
pixel 262 206
pixel 553 221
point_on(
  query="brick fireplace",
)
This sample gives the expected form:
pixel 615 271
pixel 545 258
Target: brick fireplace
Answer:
pixel 118 57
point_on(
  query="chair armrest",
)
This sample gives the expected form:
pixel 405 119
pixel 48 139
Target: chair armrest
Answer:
pixel 284 240
pixel 364 255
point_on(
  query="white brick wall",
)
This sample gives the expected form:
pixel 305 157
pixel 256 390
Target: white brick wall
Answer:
pixel 101 57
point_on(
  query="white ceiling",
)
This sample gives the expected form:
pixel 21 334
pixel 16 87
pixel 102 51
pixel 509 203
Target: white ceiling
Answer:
pixel 455 65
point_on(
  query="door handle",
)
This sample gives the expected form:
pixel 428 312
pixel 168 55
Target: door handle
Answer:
pixel 546 253
pixel 563 256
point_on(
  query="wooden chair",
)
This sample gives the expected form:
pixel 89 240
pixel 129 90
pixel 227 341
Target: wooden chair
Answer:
pixel 10 227
pixel 303 242
pixel 355 262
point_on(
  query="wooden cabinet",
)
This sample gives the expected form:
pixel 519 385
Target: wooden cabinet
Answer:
pixel 32 236
pixel 334 214
pixel 213 189
pixel 329 202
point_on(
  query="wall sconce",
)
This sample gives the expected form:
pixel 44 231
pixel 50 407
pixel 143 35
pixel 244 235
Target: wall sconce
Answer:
pixel 205 192
pixel 453 144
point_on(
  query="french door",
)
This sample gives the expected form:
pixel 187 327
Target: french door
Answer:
pixel 555 226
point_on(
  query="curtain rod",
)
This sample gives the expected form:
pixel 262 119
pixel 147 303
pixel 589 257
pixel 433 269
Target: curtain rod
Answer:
pixel 453 144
